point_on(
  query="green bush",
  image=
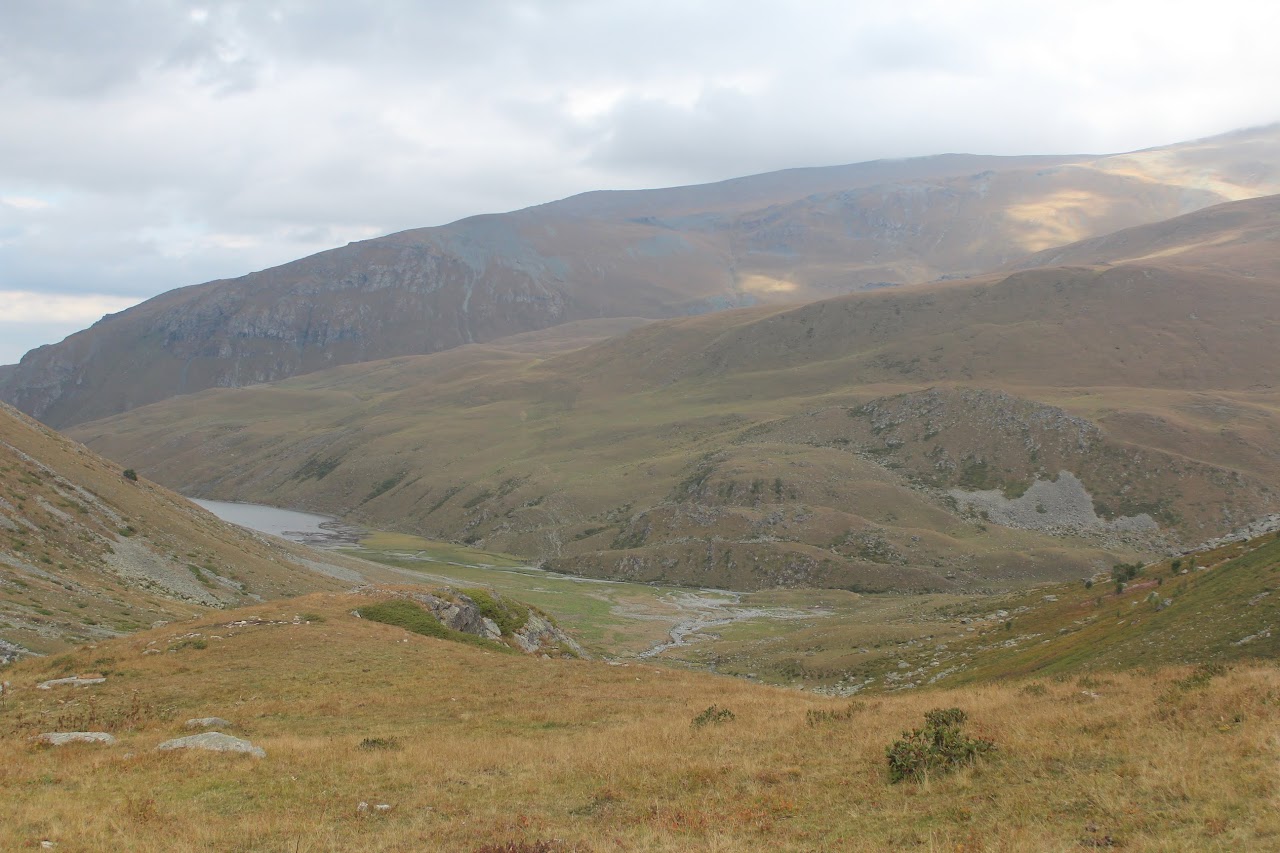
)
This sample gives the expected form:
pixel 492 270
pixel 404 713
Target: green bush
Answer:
pixel 938 747
pixel 1121 572
pixel 714 714
pixel 130 474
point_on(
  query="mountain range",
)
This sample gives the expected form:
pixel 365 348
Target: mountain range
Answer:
pixel 1033 424
pixel 782 237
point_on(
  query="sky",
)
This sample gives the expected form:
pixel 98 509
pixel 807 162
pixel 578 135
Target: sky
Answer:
pixel 152 144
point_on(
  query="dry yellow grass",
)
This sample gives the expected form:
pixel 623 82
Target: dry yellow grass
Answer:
pixel 499 748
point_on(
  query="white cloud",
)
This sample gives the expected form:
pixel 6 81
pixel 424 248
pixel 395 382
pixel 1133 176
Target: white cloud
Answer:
pixel 21 306
pixel 25 202
pixel 155 144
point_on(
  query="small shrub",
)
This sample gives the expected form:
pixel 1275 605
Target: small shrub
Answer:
pixel 818 716
pixel 1121 572
pixel 131 475
pixel 375 743
pixel 940 746
pixel 1200 676
pixel 713 715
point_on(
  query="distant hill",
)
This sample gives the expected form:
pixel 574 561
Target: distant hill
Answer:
pixel 87 553
pixel 965 435
pixel 789 236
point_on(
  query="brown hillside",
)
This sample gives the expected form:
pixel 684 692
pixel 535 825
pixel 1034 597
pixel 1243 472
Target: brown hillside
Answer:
pixel 898 439
pixel 785 237
pixel 86 553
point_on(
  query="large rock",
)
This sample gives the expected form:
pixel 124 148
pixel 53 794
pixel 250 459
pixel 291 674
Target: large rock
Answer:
pixel 71 681
pixel 539 635
pixel 213 742
pixel 64 738
pixel 209 723
pixel 458 611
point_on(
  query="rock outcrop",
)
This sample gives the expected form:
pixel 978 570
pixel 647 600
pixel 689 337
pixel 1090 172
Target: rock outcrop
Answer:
pixel 213 742
pixel 492 617
pixel 64 738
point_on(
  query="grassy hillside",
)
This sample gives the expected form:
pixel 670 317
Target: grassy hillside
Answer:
pixel 1213 607
pixel 475 750
pixel 909 440
pixel 86 552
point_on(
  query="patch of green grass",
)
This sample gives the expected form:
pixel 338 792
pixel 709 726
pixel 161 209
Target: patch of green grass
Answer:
pixel 411 617
pixel 385 486
pixel 510 615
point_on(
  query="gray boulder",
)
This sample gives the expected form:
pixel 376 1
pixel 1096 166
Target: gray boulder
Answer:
pixel 209 723
pixel 64 738
pixel 213 742
pixel 73 681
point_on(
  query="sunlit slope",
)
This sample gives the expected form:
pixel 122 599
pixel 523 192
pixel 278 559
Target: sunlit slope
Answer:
pixel 1237 237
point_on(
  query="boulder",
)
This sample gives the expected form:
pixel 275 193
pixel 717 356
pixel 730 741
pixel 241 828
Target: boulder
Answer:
pixel 72 681
pixel 64 738
pixel 209 723
pixel 214 742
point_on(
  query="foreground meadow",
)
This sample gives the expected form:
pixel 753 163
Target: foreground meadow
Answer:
pixel 475 749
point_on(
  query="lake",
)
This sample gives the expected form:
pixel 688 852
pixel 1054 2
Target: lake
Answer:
pixel 304 527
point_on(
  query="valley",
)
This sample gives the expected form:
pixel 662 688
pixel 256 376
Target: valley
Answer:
pixel 702 518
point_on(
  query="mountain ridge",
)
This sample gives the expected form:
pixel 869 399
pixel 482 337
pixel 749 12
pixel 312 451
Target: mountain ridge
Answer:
pixel 490 276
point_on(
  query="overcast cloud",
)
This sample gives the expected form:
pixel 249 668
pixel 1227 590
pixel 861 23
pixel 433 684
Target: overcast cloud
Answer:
pixel 151 144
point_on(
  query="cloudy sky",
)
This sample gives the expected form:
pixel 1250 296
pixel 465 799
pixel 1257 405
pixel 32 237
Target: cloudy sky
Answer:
pixel 150 144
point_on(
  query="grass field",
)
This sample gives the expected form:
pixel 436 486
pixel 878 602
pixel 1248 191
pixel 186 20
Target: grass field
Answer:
pixel 800 636
pixel 472 749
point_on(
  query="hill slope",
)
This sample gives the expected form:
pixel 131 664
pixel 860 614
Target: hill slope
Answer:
pixel 868 441
pixel 788 236
pixel 86 553
pixel 380 739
